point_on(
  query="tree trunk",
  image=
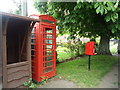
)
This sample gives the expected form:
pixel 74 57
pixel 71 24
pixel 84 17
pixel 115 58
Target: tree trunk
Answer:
pixel 104 48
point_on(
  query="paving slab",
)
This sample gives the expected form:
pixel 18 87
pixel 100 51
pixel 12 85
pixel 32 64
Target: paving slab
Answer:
pixel 59 83
pixel 110 80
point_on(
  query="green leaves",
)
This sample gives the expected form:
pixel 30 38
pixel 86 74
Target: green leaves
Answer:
pixel 82 17
pixel 107 18
pixel 104 7
pixel 111 16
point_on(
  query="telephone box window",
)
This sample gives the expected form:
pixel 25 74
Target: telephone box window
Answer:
pixel 33 30
pixel 47 47
pixel 48 64
pixel 48 30
pixel 48 69
pixel 32 46
pixel 33 52
pixel 48 52
pixel 48 58
pixel 48 41
pixel 48 36
pixel 33 40
pixel 32 57
pixel 33 35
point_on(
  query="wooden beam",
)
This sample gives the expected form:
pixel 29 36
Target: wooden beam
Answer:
pixel 29 46
pixel 4 51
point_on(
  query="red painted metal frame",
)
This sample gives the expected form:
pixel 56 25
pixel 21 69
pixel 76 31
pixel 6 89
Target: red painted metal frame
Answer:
pixel 90 48
pixel 38 63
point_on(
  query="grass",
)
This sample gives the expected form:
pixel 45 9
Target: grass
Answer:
pixel 63 53
pixel 77 71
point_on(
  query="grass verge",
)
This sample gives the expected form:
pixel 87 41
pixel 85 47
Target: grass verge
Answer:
pixel 77 71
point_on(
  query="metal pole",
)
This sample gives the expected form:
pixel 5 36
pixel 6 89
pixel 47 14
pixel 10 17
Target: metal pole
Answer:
pixel 89 63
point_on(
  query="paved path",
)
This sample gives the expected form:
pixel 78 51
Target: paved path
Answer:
pixel 59 83
pixel 110 80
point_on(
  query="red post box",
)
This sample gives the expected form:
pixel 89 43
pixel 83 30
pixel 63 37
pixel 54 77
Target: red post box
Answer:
pixel 90 48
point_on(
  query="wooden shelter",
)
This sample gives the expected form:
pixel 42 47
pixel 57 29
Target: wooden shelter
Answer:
pixel 15 49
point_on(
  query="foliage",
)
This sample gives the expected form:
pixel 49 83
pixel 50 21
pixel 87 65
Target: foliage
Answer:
pixel 77 70
pixel 89 19
pixel 29 83
pixel 97 18
pixel 63 53
pixel 70 49
pixel 76 47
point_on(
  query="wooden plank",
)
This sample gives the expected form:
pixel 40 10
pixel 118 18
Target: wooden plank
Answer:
pixel 18 75
pixel 17 64
pixel 12 70
pixel 18 82
pixel 4 52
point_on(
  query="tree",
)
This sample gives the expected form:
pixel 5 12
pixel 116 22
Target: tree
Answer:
pixel 89 19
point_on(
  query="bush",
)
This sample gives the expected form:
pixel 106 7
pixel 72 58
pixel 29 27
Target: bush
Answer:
pixel 76 47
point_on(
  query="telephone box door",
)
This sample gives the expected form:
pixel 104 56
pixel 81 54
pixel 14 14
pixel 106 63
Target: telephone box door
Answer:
pixel 49 51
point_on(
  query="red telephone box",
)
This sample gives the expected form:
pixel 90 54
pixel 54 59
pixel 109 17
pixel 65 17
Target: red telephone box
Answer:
pixel 90 48
pixel 43 48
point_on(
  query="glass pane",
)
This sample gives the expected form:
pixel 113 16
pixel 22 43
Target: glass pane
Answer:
pixel 48 30
pixel 49 69
pixel 48 41
pixel 49 36
pixel 48 47
pixel 33 52
pixel 33 40
pixel 48 64
pixel 33 30
pixel 32 57
pixel 33 35
pixel 48 52
pixel 48 58
pixel 32 46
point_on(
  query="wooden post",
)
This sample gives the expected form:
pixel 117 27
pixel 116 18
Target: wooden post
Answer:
pixel 4 51
pixel 29 46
